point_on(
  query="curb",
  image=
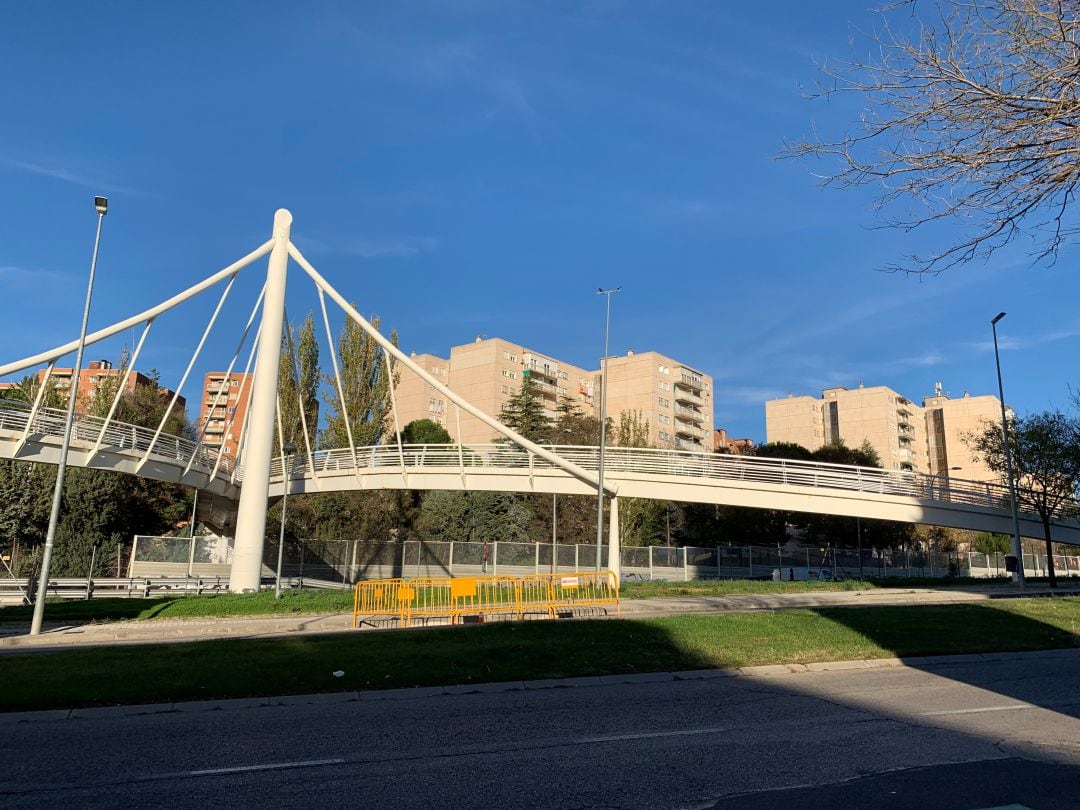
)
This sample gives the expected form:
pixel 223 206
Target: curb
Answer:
pixel 424 692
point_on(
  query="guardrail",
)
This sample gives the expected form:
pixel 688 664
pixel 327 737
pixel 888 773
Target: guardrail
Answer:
pixel 407 600
pixel 15 590
pixel 15 416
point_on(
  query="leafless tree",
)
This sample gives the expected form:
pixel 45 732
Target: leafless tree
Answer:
pixel 972 115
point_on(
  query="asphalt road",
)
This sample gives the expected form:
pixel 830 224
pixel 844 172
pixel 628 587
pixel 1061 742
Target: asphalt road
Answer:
pixel 959 736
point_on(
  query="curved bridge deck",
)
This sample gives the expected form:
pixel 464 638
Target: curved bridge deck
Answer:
pixel 762 483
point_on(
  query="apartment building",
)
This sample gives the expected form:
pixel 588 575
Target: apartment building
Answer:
pixel 927 438
pixel 948 421
pixel 417 399
pixel 488 372
pixel 96 373
pixel 722 443
pixel 675 399
pixel 223 409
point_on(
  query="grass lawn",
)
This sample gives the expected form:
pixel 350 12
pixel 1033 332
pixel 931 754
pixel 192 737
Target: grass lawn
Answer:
pixel 502 652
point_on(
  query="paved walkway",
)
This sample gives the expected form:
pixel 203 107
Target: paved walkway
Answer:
pixel 165 631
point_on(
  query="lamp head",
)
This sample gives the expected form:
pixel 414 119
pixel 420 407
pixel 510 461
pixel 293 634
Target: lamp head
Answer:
pixel 1000 315
pixel 102 205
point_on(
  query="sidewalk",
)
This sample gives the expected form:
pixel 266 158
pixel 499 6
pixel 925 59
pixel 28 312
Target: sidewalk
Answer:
pixel 172 631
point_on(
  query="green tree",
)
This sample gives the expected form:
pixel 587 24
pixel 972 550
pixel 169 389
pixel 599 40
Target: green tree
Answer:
pixel 298 385
pixel 366 386
pixel 633 430
pixel 524 412
pixel 837 452
pixel 991 543
pixel 473 517
pixel 1045 451
pixel 790 450
pixel 424 431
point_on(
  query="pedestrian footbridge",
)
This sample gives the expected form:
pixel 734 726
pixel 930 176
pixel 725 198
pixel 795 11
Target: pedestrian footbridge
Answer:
pixel 761 483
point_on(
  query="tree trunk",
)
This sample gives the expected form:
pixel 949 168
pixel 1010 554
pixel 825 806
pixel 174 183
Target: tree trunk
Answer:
pixel 1049 551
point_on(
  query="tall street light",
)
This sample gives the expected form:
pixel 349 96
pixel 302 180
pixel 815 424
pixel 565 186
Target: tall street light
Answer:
pixel 287 452
pixel 101 205
pixel 603 430
pixel 1017 548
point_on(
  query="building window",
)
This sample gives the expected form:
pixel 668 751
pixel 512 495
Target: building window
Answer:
pixel 665 386
pixel 665 419
pixel 663 369
pixel 506 389
pixel 665 436
pixel 665 403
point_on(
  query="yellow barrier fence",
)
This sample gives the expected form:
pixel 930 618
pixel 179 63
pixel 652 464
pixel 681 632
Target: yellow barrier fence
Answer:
pixel 453 598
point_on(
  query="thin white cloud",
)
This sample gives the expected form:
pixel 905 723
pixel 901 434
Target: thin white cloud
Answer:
pixel 11 275
pixel 748 394
pixel 403 248
pixel 369 248
pixel 68 176
pixel 1006 343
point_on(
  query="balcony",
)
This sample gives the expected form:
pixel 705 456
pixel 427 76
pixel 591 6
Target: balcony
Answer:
pixel 690 381
pixel 684 429
pixel 686 444
pixel 687 397
pixel 689 414
pixel 215 427
pixel 545 388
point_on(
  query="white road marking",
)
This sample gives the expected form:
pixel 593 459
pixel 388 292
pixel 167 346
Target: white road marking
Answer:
pixel 273 766
pixel 650 734
pixel 1010 707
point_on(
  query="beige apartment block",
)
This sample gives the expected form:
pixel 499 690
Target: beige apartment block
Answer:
pixel 948 423
pixel 796 419
pixel 418 399
pixel 675 399
pixel 487 373
pixel 224 406
pixel 906 436
pixel 890 422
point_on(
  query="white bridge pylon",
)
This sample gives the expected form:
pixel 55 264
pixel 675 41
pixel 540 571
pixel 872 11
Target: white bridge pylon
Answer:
pixel 257 430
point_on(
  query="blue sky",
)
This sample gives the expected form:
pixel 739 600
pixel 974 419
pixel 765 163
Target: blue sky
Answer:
pixel 481 167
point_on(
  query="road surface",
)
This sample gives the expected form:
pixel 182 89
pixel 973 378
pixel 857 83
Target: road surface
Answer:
pixel 959 736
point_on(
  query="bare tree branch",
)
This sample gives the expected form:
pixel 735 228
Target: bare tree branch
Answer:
pixel 972 114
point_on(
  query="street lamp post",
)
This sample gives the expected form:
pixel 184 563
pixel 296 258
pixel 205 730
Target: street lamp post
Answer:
pixel 603 430
pixel 101 205
pixel 287 451
pixel 1017 548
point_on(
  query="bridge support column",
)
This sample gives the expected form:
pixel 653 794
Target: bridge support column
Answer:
pixel 614 551
pixel 246 572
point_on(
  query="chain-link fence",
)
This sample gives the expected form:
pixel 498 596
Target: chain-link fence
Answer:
pixel 353 560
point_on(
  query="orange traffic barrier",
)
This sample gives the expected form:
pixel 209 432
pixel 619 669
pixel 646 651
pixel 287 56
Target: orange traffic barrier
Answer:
pixel 453 598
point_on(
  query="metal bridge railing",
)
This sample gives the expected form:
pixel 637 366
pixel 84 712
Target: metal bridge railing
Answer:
pixel 679 464
pixel 118 436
